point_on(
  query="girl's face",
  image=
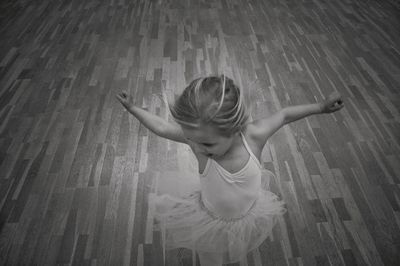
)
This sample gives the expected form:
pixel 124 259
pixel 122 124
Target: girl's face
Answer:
pixel 207 141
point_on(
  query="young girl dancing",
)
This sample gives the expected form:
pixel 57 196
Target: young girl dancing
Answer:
pixel 230 214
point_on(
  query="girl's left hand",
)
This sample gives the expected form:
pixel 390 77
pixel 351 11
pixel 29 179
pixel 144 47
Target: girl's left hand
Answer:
pixel 332 104
pixel 125 99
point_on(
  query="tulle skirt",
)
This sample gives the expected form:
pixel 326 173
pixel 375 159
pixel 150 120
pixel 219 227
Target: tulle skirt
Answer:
pixel 186 222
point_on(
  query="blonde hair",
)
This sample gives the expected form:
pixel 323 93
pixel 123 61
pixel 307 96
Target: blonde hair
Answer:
pixel 214 101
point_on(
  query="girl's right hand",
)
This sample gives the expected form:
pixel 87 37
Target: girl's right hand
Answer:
pixel 332 104
pixel 125 99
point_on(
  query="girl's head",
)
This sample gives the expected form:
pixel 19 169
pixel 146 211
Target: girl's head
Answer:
pixel 212 107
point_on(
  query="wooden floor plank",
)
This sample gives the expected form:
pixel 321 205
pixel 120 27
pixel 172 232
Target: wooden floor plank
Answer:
pixel 78 172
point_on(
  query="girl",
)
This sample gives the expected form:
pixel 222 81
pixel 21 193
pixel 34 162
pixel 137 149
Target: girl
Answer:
pixel 230 214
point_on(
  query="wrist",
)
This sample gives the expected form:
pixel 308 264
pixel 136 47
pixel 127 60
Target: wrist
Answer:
pixel 131 109
pixel 321 107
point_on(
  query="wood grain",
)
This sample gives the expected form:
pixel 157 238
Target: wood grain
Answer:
pixel 78 174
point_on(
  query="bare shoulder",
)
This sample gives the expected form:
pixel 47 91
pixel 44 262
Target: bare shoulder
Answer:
pixel 250 133
pixel 262 129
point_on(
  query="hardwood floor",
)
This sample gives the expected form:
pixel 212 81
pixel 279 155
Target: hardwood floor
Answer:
pixel 78 173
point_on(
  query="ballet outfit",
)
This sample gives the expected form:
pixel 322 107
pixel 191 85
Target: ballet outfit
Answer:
pixel 230 213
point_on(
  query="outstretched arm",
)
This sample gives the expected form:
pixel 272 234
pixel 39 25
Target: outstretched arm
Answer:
pixel 264 128
pixel 154 123
pixel 330 105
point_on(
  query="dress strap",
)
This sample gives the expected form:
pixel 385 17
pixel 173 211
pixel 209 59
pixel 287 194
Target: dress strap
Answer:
pixel 249 150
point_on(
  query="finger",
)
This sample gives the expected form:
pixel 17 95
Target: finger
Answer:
pixel 120 98
pixel 334 106
pixel 339 103
pixel 338 107
pixel 336 100
pixel 123 95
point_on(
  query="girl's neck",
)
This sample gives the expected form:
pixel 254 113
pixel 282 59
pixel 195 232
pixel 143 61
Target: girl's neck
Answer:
pixel 235 143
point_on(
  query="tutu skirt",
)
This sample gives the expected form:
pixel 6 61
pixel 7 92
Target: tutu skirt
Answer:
pixel 186 222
